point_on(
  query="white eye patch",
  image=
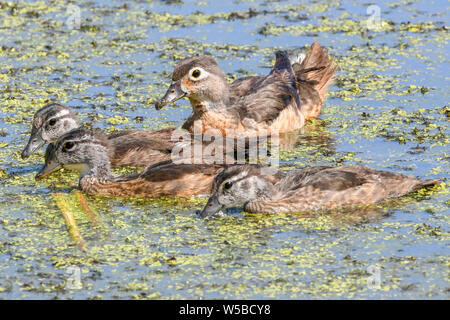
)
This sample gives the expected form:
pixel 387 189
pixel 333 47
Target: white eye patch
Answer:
pixel 197 73
pixel 239 176
pixel 61 113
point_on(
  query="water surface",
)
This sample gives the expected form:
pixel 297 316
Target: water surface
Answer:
pixel 388 109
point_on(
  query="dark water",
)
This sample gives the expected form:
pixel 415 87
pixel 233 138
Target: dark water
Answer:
pixel 388 109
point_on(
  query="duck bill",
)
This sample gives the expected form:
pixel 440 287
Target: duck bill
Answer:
pixel 173 94
pixel 212 207
pixel 49 151
pixel 49 167
pixel 34 143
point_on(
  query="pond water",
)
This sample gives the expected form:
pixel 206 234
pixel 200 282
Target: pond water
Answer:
pixel 388 109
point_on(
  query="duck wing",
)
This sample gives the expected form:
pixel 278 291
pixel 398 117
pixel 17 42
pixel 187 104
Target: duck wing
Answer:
pixel 242 86
pixel 327 188
pixel 323 178
pixel 172 179
pixel 271 94
pixel 162 179
pixel 141 147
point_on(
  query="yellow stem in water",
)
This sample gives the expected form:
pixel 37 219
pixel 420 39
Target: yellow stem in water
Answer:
pixel 71 224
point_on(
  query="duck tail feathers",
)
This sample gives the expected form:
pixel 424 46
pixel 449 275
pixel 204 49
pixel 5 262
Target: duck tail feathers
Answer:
pixel 315 67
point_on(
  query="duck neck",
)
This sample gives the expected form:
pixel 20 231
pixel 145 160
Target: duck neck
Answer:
pixel 260 189
pixel 207 105
pixel 212 114
pixel 98 169
pixel 265 190
pixel 215 96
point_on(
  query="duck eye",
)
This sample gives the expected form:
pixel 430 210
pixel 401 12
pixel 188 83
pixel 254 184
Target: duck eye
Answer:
pixel 196 73
pixel 68 145
pixel 228 185
pixel 52 122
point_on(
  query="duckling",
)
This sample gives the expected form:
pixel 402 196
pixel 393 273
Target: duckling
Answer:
pixel 129 147
pixel 267 190
pixel 279 102
pixel 138 148
pixel 88 152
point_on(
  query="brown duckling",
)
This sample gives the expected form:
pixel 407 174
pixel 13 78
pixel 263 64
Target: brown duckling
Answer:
pixel 278 102
pixel 267 190
pixel 88 151
pixel 138 148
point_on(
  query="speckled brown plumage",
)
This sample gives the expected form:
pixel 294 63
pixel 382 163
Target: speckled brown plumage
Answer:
pixel 314 75
pixel 166 179
pixel 272 104
pixel 312 189
pixel 87 151
pixel 328 188
pixel 140 148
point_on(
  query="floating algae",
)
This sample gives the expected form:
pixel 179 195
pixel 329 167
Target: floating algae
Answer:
pixel 388 109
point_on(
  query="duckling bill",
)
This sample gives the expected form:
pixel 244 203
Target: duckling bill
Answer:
pixel 263 190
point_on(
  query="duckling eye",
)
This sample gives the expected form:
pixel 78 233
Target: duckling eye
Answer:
pixel 52 122
pixel 228 185
pixel 68 145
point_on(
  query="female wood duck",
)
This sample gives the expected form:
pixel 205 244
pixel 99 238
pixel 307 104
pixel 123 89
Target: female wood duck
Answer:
pixel 88 151
pixel 266 190
pixel 278 102
pixel 138 148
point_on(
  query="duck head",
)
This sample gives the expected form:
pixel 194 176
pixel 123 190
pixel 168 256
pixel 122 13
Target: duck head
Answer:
pixel 49 123
pixel 238 185
pixel 201 80
pixel 82 150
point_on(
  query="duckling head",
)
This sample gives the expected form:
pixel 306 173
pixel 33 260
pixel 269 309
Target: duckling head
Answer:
pixel 82 150
pixel 238 185
pixel 201 80
pixel 49 123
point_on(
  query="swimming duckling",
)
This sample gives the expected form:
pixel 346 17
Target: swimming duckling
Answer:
pixel 279 102
pixel 138 148
pixel 267 190
pixel 88 152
